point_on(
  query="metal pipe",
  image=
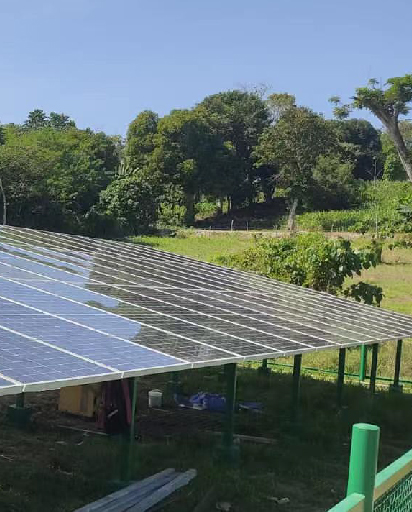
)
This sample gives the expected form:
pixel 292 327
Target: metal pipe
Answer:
pixel 374 368
pixel 297 366
pixel 341 377
pixel 228 434
pixel 363 362
pixel 334 372
pixel 398 359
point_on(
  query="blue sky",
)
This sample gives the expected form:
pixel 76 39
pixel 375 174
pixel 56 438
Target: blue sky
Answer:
pixel 103 61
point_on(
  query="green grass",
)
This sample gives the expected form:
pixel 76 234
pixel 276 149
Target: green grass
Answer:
pixel 47 470
pixel 202 248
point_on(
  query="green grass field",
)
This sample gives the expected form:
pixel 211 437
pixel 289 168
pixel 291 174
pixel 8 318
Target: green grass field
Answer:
pixel 47 469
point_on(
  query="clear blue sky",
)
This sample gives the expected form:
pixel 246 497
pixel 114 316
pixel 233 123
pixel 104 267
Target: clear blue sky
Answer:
pixel 103 61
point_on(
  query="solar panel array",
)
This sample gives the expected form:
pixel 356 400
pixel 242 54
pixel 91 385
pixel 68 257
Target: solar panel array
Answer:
pixel 77 310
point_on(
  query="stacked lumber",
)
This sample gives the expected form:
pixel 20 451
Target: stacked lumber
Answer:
pixel 143 495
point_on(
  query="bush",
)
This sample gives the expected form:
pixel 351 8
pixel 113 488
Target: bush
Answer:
pixel 131 203
pixel 313 261
pixel 205 209
pixel 384 207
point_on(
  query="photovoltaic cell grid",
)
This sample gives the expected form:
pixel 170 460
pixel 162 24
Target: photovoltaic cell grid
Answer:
pixel 77 310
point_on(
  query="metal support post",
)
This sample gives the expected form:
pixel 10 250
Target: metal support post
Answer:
pixel 297 365
pixel 398 359
pixel 20 400
pixel 341 377
pixel 363 462
pixel 264 369
pixel 230 451
pixel 363 362
pixel 128 441
pixel 374 368
pixel 18 414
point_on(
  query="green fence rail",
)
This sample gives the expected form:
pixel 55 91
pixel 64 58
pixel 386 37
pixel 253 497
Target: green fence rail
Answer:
pixel 390 490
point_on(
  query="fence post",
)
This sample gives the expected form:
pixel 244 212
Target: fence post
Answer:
pixel 363 462
pixel 396 386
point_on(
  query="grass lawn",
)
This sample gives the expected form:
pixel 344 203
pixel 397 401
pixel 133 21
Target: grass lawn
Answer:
pixel 47 469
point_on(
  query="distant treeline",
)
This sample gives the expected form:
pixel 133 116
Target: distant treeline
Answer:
pixel 232 150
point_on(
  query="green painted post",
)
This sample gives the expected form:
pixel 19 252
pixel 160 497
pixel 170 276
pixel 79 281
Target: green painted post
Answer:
pixel 374 368
pixel 228 435
pixel 129 442
pixel 264 369
pixel 363 462
pixel 363 362
pixel 396 386
pixel 133 409
pixel 341 376
pixel 20 401
pixel 297 365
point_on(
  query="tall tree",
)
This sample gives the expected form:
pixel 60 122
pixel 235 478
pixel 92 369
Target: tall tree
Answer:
pixel 361 144
pixel 393 168
pixel 187 155
pixel 387 102
pixel 278 103
pixel 2 191
pixel 238 118
pixel 36 119
pixel 140 139
pixel 293 146
pixel 60 121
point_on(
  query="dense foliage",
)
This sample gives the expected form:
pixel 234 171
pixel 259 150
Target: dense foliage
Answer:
pixel 313 261
pixel 385 211
pixel 232 151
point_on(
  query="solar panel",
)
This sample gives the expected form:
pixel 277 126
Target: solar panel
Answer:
pixel 101 309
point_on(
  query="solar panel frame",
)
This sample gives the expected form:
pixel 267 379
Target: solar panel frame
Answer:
pixel 213 314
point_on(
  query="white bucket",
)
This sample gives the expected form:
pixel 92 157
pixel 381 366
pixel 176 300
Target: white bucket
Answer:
pixel 155 398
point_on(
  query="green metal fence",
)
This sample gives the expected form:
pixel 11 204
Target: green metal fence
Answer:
pixel 390 490
pixel 393 487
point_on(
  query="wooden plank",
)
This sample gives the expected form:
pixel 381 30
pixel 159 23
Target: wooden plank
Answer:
pixel 246 439
pixel 126 502
pixel 160 494
pixel 141 485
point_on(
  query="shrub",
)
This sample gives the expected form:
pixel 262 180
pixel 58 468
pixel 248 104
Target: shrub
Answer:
pixel 313 261
pixel 385 207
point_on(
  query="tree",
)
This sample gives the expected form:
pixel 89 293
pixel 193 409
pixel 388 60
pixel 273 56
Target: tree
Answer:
pixel 361 145
pixel 52 177
pixel 36 119
pixel 278 103
pixel 132 202
pixel 333 186
pixel 189 156
pixel 140 139
pixel 387 103
pixel 60 121
pixel 293 146
pixel 238 118
pixel 393 168
pixel 2 192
